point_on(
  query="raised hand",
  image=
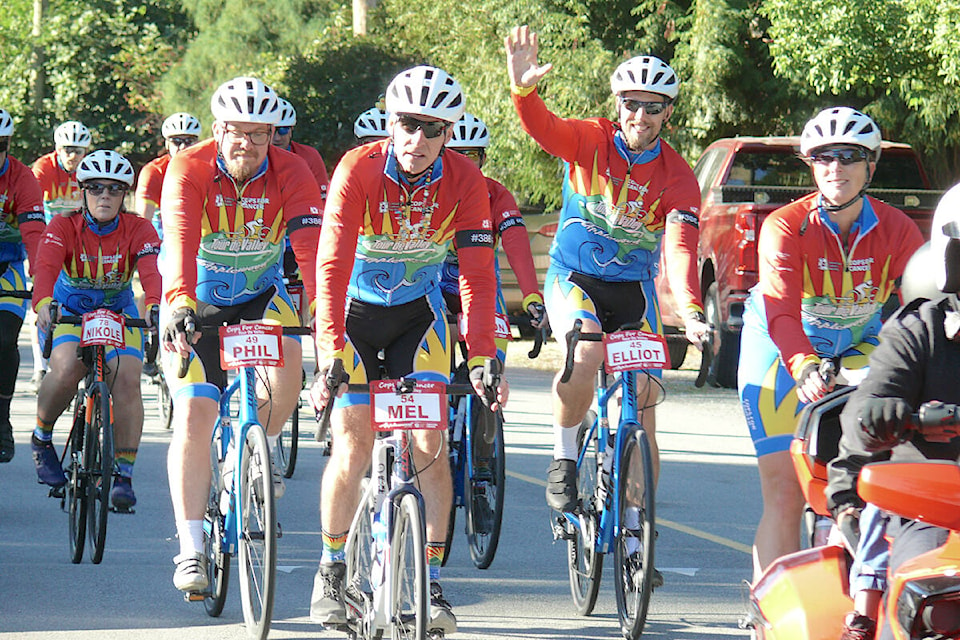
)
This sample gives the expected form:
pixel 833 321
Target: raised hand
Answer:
pixel 521 47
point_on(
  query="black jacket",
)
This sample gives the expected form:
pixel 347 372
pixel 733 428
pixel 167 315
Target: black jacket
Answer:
pixel 915 361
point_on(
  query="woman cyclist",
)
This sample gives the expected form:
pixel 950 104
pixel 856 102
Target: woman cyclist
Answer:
pixel 828 263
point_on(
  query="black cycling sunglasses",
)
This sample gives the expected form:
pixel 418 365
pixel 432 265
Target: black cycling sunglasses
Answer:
pixel 430 128
pixel 97 188
pixel 845 156
pixel 649 108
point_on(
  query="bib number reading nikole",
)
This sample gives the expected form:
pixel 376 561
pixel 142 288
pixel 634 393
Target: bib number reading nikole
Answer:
pixel 501 328
pixel 251 345
pixel 423 408
pixel 633 350
pixel 102 327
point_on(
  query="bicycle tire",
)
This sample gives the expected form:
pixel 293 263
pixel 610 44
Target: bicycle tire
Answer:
pixel 408 571
pixel 287 443
pixel 456 446
pixel 635 534
pixel 99 446
pixel 484 494
pixel 75 491
pixel 257 538
pixel 359 560
pixel 164 402
pixel 584 564
pixel 218 561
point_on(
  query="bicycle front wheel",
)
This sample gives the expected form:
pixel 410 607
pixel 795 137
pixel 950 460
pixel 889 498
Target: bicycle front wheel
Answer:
pixel 359 552
pixel 287 443
pixel 584 564
pixel 75 492
pixel 257 539
pixel 408 571
pixel 633 552
pixel 484 490
pixel 164 402
pixel 99 452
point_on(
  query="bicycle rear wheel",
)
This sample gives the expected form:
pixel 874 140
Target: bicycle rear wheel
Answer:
pixel 484 491
pixel 257 539
pixel 218 561
pixel 75 491
pixel 164 402
pixel 99 452
pixel 287 443
pixel 584 564
pixel 633 552
pixel 408 571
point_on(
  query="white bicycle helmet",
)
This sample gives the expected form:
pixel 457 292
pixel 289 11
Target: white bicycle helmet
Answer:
pixel 6 124
pixel 426 91
pixel 288 115
pixel 245 99
pixel 645 73
pixel 372 123
pixel 945 242
pixel 840 125
pixel 106 165
pixel 180 124
pixel 469 132
pixel 72 134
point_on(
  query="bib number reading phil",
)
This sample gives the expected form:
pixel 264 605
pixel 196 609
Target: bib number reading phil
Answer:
pixel 423 408
pixel 635 350
pixel 102 327
pixel 251 345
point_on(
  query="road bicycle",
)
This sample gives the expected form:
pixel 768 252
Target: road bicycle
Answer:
pixel 164 401
pixel 386 581
pixel 288 444
pixel 241 518
pixel 88 457
pixel 616 505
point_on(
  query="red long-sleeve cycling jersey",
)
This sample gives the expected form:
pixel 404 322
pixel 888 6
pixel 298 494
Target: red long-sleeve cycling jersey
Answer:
pixel 617 206
pixel 61 192
pixel 21 213
pixel 85 266
pixel 317 167
pixel 815 288
pixel 383 241
pixel 513 237
pixel 150 180
pixel 223 241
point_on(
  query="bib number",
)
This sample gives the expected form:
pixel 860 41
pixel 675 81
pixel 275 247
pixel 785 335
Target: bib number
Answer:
pixel 635 350
pixel 423 408
pixel 251 345
pixel 102 327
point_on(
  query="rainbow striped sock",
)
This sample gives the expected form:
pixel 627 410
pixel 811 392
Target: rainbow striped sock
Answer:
pixel 125 458
pixel 334 547
pixel 43 432
pixel 435 553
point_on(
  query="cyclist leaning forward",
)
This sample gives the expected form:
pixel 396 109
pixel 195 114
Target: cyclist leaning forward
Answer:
pixel 624 191
pixel 86 262
pixel 407 201
pixel 226 205
pixel 21 227
pixel 828 263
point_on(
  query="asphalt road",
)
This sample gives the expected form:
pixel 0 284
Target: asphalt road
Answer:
pixel 707 506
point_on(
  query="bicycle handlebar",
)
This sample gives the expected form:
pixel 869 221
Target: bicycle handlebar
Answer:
pixel 575 335
pixel 940 421
pixel 132 323
pixel 190 329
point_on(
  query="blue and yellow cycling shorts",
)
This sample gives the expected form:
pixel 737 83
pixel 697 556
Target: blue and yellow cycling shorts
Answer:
pixel 14 279
pixel 768 392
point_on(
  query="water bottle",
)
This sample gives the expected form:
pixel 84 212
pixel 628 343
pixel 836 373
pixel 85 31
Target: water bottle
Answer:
pixel 379 530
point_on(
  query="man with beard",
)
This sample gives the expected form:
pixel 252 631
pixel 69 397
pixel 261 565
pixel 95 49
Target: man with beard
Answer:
pixel 624 190
pixel 226 206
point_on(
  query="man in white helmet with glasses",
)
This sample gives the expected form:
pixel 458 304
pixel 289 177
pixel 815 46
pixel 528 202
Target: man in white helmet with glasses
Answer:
pixel 21 226
pixel 179 131
pixel 395 207
pixel 625 191
pixel 226 206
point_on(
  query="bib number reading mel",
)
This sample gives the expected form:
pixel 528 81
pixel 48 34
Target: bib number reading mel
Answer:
pixel 634 350
pixel 251 345
pixel 423 408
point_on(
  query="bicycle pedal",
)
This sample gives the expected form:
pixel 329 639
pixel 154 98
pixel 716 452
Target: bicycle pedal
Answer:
pixel 561 531
pixel 435 634
pixel 125 512
pixel 195 596
pixel 57 492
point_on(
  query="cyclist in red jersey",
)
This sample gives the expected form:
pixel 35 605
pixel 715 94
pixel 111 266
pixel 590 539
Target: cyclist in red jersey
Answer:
pixel 226 206
pixel 86 262
pixel 61 194
pixel 370 126
pixel 625 189
pixel 21 213
pixel 395 207
pixel 180 130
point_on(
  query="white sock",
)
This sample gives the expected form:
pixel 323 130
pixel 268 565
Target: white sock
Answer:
pixel 565 443
pixel 190 533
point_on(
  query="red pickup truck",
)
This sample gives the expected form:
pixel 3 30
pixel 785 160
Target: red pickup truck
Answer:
pixel 741 181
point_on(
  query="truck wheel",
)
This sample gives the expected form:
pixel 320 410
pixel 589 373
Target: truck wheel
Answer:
pixel 723 369
pixel 677 346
